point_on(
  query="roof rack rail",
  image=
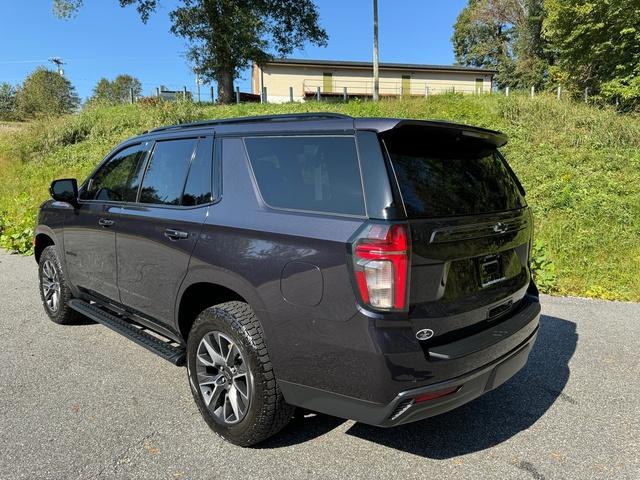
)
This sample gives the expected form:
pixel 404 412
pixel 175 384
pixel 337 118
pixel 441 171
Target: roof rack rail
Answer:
pixel 258 118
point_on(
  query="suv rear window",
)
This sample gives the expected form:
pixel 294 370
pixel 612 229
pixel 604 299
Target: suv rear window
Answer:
pixel 442 176
pixel 319 174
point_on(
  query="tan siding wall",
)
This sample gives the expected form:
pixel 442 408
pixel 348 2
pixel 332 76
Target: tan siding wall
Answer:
pixel 255 79
pixel 278 79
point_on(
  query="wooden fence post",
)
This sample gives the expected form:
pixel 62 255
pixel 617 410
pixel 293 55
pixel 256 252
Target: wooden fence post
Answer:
pixel 237 94
pixel 291 94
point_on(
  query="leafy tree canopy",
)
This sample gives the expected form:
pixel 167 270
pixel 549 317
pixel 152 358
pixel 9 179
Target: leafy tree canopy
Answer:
pixel 118 90
pixel 46 93
pixel 225 36
pixel 7 101
pixel 504 35
pixel 598 46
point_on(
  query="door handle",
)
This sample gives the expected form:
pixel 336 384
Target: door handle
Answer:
pixel 172 234
pixel 105 222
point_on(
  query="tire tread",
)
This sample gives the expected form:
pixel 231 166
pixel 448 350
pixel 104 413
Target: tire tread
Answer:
pixel 276 414
pixel 65 315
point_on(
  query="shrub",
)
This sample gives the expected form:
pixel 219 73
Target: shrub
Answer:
pixel 16 225
pixel 544 271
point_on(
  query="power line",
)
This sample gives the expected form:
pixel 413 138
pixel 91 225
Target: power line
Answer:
pixel 100 60
pixel 10 62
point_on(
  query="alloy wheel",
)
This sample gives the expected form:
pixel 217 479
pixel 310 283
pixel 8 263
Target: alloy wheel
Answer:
pixel 223 377
pixel 50 286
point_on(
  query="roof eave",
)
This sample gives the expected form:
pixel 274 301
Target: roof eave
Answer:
pixel 369 65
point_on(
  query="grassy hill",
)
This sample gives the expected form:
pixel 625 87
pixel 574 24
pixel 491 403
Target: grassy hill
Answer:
pixel 580 166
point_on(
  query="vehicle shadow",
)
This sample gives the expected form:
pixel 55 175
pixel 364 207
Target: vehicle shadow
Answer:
pixel 487 421
pixel 498 415
pixel 304 427
pixel 81 321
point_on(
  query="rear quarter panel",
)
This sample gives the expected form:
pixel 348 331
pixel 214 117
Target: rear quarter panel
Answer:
pixel 248 247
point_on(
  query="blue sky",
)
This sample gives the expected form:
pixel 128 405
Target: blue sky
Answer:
pixel 105 40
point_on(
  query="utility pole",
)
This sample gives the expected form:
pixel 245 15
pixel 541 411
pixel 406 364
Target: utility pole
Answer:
pixel 198 83
pixel 57 61
pixel 376 75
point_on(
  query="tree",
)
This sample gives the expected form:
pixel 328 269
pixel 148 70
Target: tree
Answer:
pixel 225 36
pixel 46 93
pixel 598 46
pixel 121 88
pixel 118 90
pixel 504 35
pixel 483 43
pixel 7 102
pixel 102 91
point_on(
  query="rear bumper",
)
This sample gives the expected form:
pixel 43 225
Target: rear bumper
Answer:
pixel 403 408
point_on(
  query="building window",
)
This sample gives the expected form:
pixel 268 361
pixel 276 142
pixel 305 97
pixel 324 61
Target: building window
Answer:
pixel 327 82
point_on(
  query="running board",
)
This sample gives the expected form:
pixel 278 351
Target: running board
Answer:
pixel 135 332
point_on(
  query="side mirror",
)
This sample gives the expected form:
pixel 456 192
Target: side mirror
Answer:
pixel 65 190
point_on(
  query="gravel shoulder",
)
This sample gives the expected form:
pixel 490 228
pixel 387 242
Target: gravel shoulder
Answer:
pixel 83 402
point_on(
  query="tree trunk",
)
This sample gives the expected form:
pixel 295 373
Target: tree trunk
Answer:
pixel 225 86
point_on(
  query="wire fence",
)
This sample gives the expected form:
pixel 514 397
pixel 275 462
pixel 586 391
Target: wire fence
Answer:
pixel 346 90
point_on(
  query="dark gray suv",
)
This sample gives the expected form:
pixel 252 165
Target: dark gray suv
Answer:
pixel 369 268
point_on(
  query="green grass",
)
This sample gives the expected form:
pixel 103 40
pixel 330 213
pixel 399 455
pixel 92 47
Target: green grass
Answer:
pixel 580 166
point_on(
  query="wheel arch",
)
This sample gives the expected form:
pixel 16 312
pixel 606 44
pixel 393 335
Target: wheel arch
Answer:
pixel 207 287
pixel 43 238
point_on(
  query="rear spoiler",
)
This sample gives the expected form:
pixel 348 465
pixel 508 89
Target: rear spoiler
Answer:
pixel 382 125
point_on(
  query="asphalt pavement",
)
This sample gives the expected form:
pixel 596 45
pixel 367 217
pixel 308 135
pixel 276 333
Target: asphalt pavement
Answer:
pixel 81 402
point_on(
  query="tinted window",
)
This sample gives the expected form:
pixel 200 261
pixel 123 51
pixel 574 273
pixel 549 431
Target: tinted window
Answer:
pixel 198 188
pixel 165 176
pixel 440 176
pixel 308 173
pixel 118 179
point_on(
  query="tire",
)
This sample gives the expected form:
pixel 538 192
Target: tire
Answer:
pixel 260 410
pixel 54 289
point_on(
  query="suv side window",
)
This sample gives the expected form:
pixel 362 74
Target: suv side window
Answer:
pixel 198 189
pixel 118 179
pixel 167 171
pixel 319 174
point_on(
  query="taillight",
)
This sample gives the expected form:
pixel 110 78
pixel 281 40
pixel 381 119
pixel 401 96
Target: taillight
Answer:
pixel 381 265
pixel 425 397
